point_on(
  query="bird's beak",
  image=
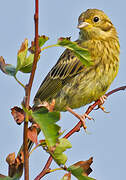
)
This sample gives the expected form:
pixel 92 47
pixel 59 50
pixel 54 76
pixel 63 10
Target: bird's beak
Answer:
pixel 82 25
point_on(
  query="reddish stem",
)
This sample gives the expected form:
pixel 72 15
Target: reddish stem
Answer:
pixel 76 129
pixel 26 160
pixel 45 169
pixel 28 93
pixel 116 90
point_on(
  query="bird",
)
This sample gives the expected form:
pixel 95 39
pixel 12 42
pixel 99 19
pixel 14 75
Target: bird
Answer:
pixel 72 84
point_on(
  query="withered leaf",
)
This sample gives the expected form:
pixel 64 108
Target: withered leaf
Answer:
pixel 81 169
pixel 67 176
pixel 32 134
pixel 15 166
pixel 2 64
pixel 18 114
pixel 11 158
pixel 23 46
pixel 85 165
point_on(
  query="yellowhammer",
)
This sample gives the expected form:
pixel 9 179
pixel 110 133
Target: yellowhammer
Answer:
pixel 72 84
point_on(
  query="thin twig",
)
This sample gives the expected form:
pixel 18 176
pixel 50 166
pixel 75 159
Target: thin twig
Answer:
pixel 57 169
pixel 19 82
pixel 28 93
pixel 50 46
pixel 76 129
pixel 116 90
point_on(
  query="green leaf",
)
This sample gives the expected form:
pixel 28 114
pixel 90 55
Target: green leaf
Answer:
pixel 81 169
pixel 27 66
pixel 81 53
pixel 9 178
pixel 24 63
pixel 78 173
pixel 7 68
pixel 58 154
pixel 16 177
pixel 46 121
pixel 21 56
pixel 10 70
pixel 42 40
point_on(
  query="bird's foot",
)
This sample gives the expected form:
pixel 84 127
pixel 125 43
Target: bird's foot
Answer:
pixel 103 109
pixel 102 101
pixel 80 117
pixel 52 105
pixel 49 106
pixel 83 118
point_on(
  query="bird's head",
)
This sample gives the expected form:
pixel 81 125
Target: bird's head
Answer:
pixel 95 24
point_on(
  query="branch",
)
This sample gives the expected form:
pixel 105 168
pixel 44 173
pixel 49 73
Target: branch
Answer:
pixel 45 169
pixel 76 129
pixel 28 93
pixel 116 90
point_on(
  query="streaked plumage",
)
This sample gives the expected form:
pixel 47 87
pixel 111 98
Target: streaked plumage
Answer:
pixel 72 84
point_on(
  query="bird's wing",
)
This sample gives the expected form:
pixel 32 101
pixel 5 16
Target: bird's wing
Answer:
pixel 66 68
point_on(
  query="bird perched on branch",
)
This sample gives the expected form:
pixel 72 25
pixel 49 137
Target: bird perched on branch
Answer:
pixel 71 83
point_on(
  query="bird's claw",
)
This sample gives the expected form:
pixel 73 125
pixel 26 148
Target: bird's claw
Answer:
pixel 87 116
pixel 82 119
pixel 103 109
pixel 102 101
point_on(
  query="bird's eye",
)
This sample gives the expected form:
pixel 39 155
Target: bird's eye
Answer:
pixel 96 19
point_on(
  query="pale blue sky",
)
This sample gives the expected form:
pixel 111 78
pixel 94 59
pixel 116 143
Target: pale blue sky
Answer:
pixel 106 143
